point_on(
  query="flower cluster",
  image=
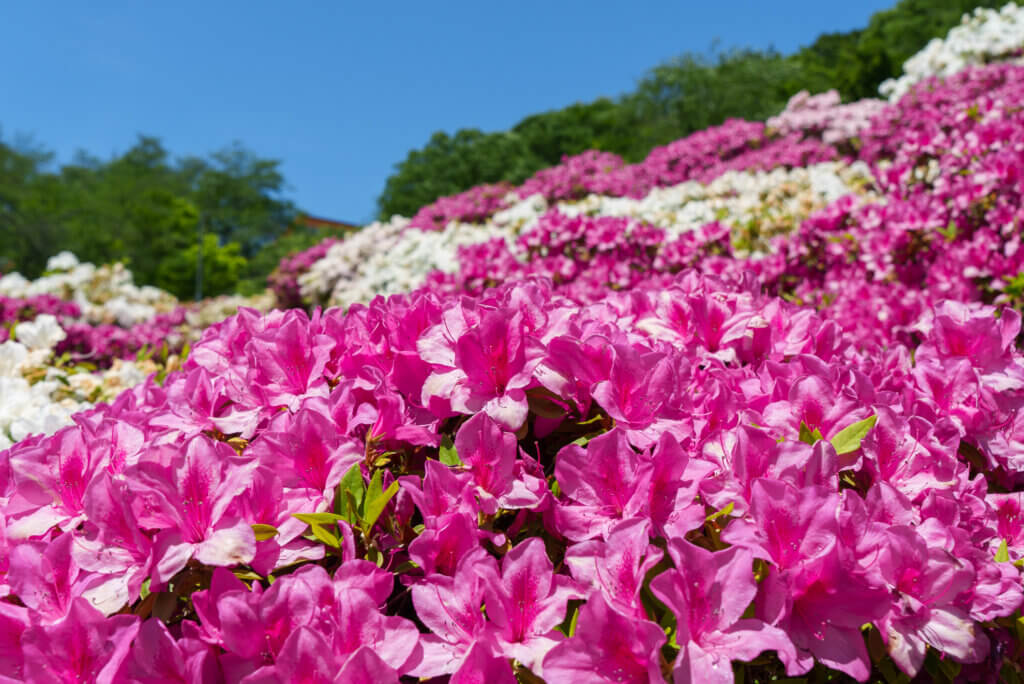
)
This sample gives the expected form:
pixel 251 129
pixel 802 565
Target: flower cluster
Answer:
pixel 473 206
pixel 41 389
pixel 105 317
pixel 388 258
pixel 825 116
pixel 702 157
pixel 104 294
pixel 983 37
pixel 662 483
pixel 55 361
pixel 284 283
pixel 603 442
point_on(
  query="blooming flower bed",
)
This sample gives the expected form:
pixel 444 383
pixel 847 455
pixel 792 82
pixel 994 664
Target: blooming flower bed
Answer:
pixel 56 360
pixel 40 389
pixel 983 37
pixel 606 442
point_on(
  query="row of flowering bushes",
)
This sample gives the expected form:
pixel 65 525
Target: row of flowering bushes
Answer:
pixel 606 437
pixel 685 479
pixel 82 334
pixel 675 481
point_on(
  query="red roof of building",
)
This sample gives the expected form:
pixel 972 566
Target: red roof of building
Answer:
pixel 326 224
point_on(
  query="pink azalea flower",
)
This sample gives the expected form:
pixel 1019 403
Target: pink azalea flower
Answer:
pixel 607 647
pixel 453 540
pixel 616 567
pixel 489 452
pixel 14 621
pixel 363 667
pixel 442 490
pixel 786 525
pixel 821 606
pixel 289 360
pixel 675 479
pixel 84 646
pixel 156 656
pixel 640 383
pixel 491 366
pixel 526 602
pixel 606 482
pixel 52 477
pixel 708 593
pixel 307 452
pixel 48 581
pixel 925 583
pixel 112 543
pixel 191 502
pixel 450 607
pixel 480 666
pixel 1009 519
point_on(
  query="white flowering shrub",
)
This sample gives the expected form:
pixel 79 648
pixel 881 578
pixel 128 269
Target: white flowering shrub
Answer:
pixel 983 37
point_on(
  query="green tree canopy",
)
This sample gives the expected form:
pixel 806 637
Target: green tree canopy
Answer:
pixel 143 208
pixel 685 94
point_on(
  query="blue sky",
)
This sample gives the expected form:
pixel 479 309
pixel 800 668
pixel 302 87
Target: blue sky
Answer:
pixel 341 91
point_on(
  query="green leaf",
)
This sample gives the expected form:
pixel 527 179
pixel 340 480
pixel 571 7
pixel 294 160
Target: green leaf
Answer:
pixel 808 437
pixel 585 439
pixel 144 590
pixel 264 532
pixel 248 575
pixel 375 556
pixel 376 500
pixel 574 621
pixel 325 536
pixel 350 494
pixel 447 454
pixel 848 439
pixel 317 518
pixel 718 514
pixel 1003 554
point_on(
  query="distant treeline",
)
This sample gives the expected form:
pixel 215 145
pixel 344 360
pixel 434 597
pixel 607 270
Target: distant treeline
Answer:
pixel 149 211
pixel 674 99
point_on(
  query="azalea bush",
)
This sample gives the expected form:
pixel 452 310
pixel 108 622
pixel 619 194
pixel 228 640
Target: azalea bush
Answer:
pixel 41 388
pixel 987 35
pixel 79 335
pixel 603 435
pixel 670 482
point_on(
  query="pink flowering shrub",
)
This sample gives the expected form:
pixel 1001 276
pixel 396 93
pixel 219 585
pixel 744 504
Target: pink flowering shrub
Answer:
pixel 472 206
pixel 101 344
pixel 97 344
pixel 670 481
pixel 284 281
pixel 823 115
pixel 593 455
pixel 14 310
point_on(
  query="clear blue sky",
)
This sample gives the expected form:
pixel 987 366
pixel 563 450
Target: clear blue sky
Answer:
pixel 341 91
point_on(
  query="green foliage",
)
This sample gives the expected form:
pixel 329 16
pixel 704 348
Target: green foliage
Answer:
pixel 269 255
pixel 222 266
pixel 692 92
pixel 145 209
pixel 856 63
pixel 676 98
pixel 450 164
pixel 848 439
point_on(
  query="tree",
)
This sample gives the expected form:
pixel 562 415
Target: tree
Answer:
pixel 676 98
pixel 145 209
pixel 449 164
